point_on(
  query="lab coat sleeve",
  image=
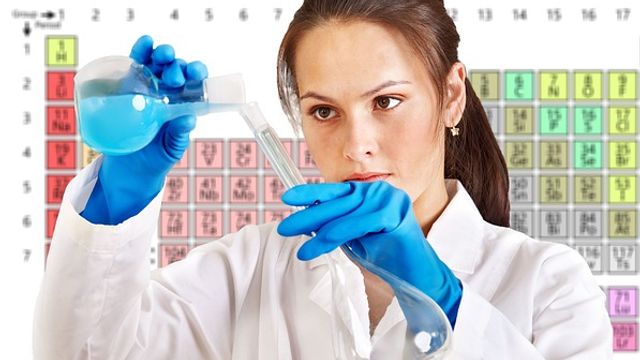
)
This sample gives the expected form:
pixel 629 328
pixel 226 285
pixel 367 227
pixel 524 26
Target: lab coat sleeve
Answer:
pixel 99 300
pixel 569 321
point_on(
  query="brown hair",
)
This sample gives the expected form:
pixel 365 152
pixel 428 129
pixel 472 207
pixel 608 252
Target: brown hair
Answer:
pixel 474 156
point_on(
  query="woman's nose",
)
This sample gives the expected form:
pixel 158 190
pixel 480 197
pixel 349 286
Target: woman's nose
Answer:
pixel 360 140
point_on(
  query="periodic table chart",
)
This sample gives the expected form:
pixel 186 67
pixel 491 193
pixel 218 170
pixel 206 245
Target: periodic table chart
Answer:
pixel 558 79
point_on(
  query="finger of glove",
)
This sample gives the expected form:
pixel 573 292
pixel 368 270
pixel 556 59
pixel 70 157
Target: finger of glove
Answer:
pixel 142 49
pixel 310 194
pixel 355 226
pixel 163 54
pixel 196 70
pixel 314 217
pixel 176 139
pixel 172 75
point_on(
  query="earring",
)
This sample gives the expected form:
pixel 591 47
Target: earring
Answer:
pixel 454 131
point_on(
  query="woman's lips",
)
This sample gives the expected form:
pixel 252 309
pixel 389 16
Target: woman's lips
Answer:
pixel 369 178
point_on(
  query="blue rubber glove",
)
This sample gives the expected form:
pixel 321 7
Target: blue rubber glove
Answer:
pixel 377 222
pixel 127 183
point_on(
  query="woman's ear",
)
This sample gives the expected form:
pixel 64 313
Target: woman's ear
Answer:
pixel 456 95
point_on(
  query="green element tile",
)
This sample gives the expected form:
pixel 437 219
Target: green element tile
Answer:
pixel 486 84
pixel 622 120
pixel 519 120
pixel 554 85
pixel 622 189
pixel 553 154
pixel 587 85
pixel 588 189
pixel 61 51
pixel 518 85
pixel 622 85
pixel 587 155
pixel 553 189
pixel 587 120
pixel 519 154
pixel 622 223
pixel 622 155
pixel 553 120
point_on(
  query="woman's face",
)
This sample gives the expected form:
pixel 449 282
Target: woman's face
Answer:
pixel 368 106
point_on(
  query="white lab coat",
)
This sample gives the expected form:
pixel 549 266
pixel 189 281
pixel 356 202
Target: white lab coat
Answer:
pixel 246 296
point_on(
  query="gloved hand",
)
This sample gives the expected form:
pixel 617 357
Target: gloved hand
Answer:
pixel 127 183
pixel 377 222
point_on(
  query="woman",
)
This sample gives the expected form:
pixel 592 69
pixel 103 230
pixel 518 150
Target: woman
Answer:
pixel 415 183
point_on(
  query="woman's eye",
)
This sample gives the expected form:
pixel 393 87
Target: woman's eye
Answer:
pixel 386 102
pixel 322 113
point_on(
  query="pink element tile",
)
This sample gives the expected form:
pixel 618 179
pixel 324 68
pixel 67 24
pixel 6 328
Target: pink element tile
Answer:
pixel 52 218
pixel 243 189
pixel 305 161
pixel 209 189
pixel 243 154
pixel 275 214
pixel 625 336
pixel 239 218
pixel 208 223
pixel 314 179
pixel 623 301
pixel 61 154
pixel 176 190
pixel 172 253
pixel 174 224
pixel 287 145
pixel 209 154
pixel 61 120
pixel 184 162
pixel 273 189
pixel 60 85
pixel 56 185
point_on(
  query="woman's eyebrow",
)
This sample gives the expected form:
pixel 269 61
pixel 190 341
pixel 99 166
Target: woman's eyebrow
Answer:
pixel 311 94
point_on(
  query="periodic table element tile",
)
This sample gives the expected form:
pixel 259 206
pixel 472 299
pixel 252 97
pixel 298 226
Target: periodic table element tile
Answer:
pixel 61 50
pixel 519 120
pixel 587 85
pixel 623 259
pixel 275 214
pixel 593 256
pixel 51 217
pixel 61 120
pixel 60 85
pixel 170 253
pixel 622 189
pixel 588 223
pixel 553 155
pixel 554 120
pixel 176 190
pixel 553 189
pixel 554 223
pixel 493 116
pixel 518 85
pixel 305 160
pixel 587 120
pixel 622 224
pixel 240 218
pixel 522 220
pixel 588 189
pixel 61 155
pixel 56 185
pixel 88 155
pixel 625 336
pixel 623 301
pixel 243 154
pixel 521 189
pixel 209 224
pixel 288 145
pixel 209 189
pixel 209 153
pixel 622 155
pixel 554 85
pixel 622 85
pixel 174 224
pixel 243 189
pixel 273 189
pixel 486 84
pixel 313 179
pixel 587 155
pixel 519 154
pixel 622 120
